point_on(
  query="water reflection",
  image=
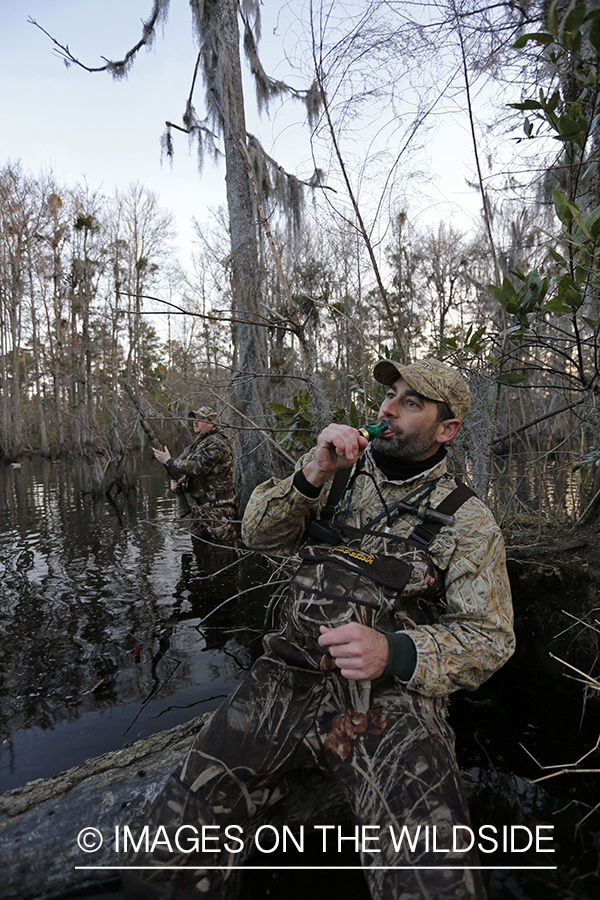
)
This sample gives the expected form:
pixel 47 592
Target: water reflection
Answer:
pixel 101 616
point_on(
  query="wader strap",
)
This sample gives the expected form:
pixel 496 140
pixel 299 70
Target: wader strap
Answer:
pixel 340 480
pixel 425 533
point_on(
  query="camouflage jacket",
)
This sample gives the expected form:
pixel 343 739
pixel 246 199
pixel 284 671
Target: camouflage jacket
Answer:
pixel 474 636
pixel 206 466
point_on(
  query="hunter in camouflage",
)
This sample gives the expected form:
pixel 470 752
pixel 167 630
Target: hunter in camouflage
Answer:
pixel 385 617
pixel 203 473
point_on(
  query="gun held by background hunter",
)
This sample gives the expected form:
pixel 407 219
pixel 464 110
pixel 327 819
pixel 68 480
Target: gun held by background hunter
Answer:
pixel 183 507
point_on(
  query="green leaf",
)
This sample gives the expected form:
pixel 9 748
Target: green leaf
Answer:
pixel 526 105
pixel 511 378
pixel 280 409
pixel 578 138
pixel 497 293
pixel 557 257
pixel 568 291
pixel 580 221
pixel 575 43
pixel 594 30
pixel 477 335
pixel 562 207
pixel 553 101
pixel 553 17
pixel 531 293
pixel 558 306
pixel 592 457
pixel 574 18
pixel 508 287
pixel 568 126
pixel 582 274
pixel 540 37
pixel 592 221
pixel 585 260
pixel 575 109
pixel 591 323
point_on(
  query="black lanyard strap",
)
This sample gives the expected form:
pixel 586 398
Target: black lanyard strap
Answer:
pixel 403 506
pixel 424 534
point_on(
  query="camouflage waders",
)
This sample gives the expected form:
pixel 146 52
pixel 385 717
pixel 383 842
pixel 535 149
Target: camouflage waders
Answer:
pixel 214 520
pixel 205 471
pixel 390 750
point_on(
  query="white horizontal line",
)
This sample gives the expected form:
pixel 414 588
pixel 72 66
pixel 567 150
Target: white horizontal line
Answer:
pixel 310 868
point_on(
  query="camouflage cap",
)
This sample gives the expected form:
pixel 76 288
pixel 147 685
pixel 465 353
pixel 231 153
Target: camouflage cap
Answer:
pixel 431 378
pixel 204 414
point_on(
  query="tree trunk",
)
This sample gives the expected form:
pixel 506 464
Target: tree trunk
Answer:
pixel 15 440
pixel 247 392
pixel 36 368
pixel 57 373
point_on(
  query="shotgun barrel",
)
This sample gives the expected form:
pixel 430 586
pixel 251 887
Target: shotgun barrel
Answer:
pixel 182 504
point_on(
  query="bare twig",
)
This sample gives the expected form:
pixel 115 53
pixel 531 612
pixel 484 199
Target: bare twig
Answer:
pixel 565 768
pixel 266 323
pixel 118 68
pixel 580 621
pixel 549 415
pixel 588 679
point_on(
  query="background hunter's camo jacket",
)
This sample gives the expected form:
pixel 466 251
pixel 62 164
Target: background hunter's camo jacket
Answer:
pixel 474 636
pixel 206 469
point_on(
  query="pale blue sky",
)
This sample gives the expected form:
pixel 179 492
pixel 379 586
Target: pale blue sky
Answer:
pixel 88 126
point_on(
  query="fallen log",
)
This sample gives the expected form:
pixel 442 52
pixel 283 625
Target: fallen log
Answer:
pixel 535 551
pixel 40 823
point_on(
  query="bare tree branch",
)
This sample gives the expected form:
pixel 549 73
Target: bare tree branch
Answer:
pixel 118 68
pixel 267 323
pixel 549 415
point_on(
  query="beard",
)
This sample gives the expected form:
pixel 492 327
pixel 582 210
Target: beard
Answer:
pixel 409 447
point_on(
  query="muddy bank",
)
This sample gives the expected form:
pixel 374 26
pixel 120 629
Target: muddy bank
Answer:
pixel 538 717
pixel 556 593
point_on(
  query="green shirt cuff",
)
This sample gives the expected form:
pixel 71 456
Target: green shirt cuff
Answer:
pixel 403 655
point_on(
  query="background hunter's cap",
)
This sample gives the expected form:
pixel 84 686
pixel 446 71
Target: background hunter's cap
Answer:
pixel 204 414
pixel 431 378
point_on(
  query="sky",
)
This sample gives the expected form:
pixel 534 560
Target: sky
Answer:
pixel 89 127
pixel 85 126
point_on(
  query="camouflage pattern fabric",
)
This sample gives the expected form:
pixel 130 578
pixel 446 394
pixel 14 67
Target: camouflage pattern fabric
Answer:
pixel 206 467
pixel 394 762
pixel 370 577
pixel 474 635
pixel 386 743
pixel 431 378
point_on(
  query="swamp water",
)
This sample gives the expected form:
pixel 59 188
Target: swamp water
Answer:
pixel 112 629
pixel 100 618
